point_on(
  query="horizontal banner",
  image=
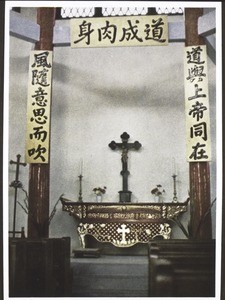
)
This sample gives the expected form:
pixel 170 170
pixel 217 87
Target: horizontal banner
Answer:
pixel 38 107
pixel 119 31
pixel 197 104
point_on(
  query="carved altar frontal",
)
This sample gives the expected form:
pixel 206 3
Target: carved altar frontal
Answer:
pixel 123 224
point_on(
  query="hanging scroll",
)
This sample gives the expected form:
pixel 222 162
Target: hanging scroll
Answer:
pixel 119 31
pixel 197 104
pixel 38 107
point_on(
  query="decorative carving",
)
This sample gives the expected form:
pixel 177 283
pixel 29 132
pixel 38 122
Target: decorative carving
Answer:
pixel 123 225
pixel 98 215
pixel 173 211
pixel 121 234
pixel 124 216
pixel 84 211
pixel 79 211
pixel 129 211
pixel 68 208
pixel 164 211
pixel 165 231
pixel 82 230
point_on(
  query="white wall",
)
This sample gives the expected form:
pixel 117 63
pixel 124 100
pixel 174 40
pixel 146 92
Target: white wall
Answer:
pixel 97 95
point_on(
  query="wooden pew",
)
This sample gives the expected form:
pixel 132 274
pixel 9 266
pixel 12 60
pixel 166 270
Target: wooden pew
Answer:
pixel 39 267
pixel 182 268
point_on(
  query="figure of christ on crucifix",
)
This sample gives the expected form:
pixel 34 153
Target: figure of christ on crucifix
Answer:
pixel 125 195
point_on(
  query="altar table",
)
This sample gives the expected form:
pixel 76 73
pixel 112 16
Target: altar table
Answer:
pixel 123 224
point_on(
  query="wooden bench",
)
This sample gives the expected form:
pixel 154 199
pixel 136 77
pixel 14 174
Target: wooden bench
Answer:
pixel 182 268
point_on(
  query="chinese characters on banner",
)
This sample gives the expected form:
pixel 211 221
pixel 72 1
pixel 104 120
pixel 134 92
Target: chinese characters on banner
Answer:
pixel 197 104
pixel 119 31
pixel 38 107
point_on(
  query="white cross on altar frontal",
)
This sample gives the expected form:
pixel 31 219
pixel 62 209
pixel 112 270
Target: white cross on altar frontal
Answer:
pixel 124 230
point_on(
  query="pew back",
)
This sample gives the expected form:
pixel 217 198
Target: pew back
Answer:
pixel 181 268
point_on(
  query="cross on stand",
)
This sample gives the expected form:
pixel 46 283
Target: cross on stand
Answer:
pixel 125 195
pixel 16 185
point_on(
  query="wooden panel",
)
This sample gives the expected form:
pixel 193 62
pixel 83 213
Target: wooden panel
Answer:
pixel 39 267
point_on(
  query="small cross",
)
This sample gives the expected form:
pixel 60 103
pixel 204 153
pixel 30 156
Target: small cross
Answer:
pixel 17 163
pixel 124 230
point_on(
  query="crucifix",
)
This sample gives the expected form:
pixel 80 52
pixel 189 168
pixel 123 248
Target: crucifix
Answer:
pixel 16 185
pixel 125 194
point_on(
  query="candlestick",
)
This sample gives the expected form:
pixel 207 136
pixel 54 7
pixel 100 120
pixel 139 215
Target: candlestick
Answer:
pixel 174 189
pixel 80 189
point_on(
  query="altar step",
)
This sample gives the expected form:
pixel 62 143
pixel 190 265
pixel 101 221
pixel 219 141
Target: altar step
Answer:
pixel 110 276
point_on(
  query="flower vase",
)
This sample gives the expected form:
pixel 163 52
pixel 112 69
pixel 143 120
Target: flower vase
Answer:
pixel 98 198
pixel 157 199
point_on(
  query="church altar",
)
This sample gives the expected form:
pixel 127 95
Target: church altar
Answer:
pixel 123 224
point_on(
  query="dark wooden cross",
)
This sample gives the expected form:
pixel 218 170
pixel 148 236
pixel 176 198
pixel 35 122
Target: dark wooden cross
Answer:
pixel 16 185
pixel 125 194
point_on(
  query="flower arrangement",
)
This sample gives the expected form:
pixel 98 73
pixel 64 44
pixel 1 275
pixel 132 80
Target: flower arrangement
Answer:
pixel 158 190
pixel 99 190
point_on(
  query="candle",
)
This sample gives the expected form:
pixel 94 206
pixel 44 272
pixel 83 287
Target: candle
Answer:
pixel 81 166
pixel 174 167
